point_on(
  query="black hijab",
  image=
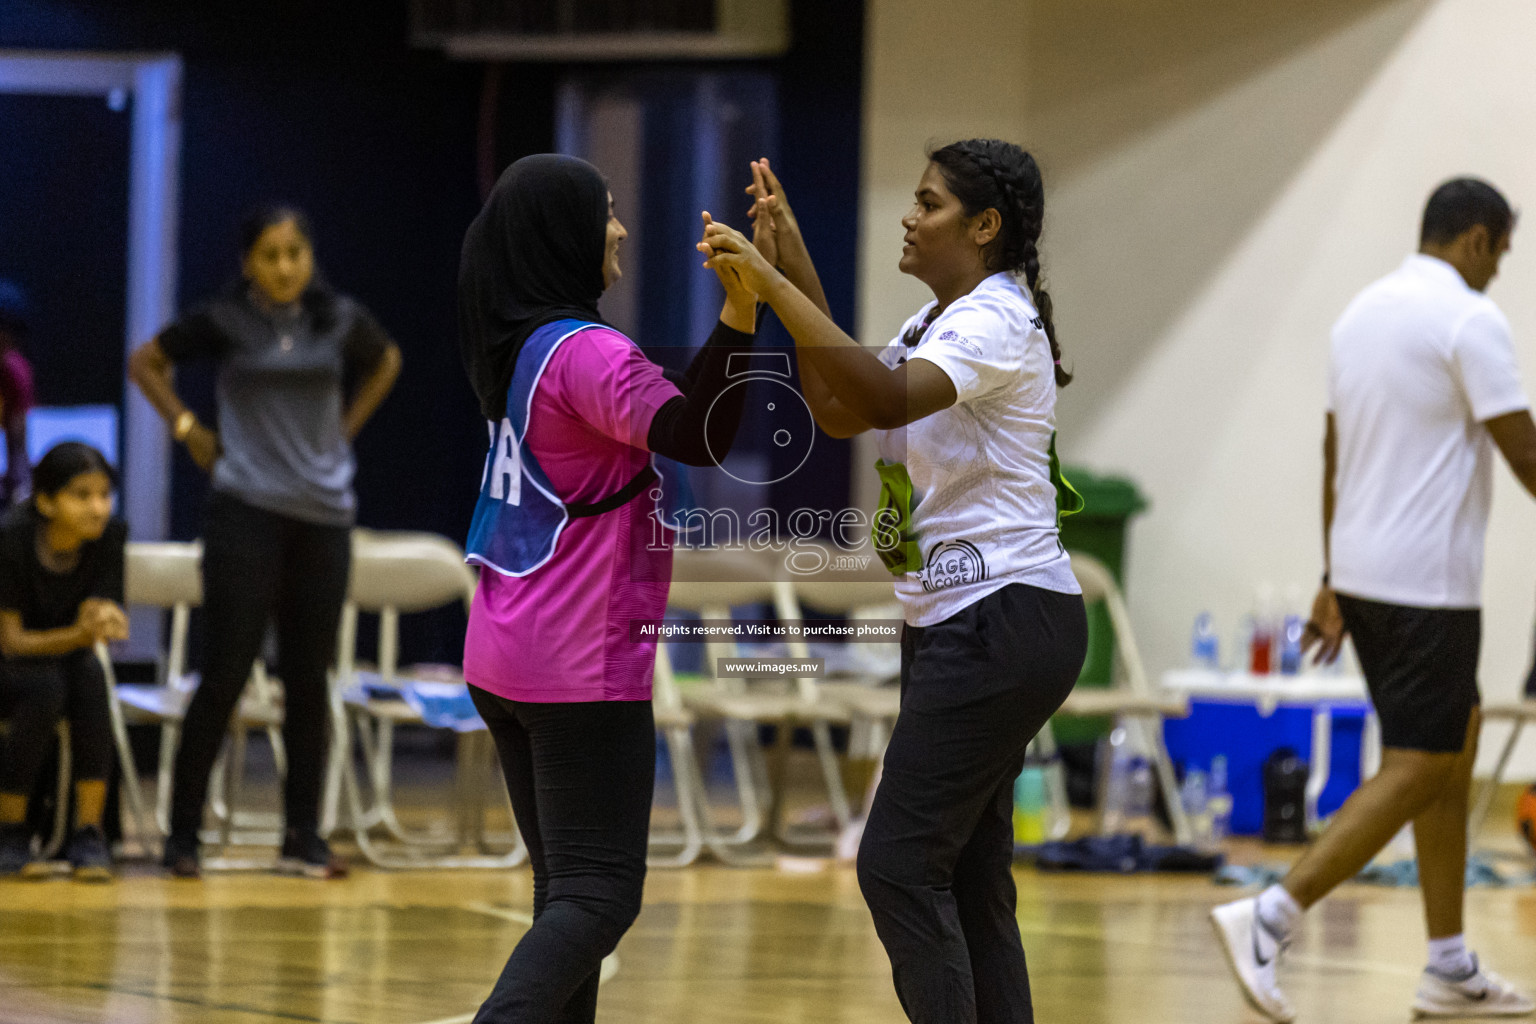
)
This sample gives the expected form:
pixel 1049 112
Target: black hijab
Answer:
pixel 534 254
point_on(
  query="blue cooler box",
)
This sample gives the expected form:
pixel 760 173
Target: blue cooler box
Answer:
pixel 1247 738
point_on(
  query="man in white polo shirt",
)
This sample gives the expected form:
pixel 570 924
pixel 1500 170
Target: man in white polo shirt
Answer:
pixel 1422 386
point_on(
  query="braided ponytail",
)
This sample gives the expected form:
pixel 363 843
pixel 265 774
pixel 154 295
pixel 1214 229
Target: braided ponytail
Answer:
pixel 1043 306
pixel 992 174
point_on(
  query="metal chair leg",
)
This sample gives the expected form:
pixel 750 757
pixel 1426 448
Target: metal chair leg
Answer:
pixel 1059 808
pixel 472 780
pixel 832 775
pixel 1490 785
pixel 61 794
pixel 721 847
pixel 837 796
pixel 234 776
pixel 362 723
pixel 375 738
pixel 486 781
pixel 217 785
pixel 338 750
pixel 170 736
pixel 748 788
pixel 679 748
pixel 130 773
pixel 383 777
pixel 1152 740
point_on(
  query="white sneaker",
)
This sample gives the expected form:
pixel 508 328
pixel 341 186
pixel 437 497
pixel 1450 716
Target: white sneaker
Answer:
pixel 1252 953
pixel 1480 994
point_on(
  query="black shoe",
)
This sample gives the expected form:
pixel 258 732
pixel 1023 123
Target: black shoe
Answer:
pixel 181 857
pixel 305 853
pixel 15 849
pixel 88 856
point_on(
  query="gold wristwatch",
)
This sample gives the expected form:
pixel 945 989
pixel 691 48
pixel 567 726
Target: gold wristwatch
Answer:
pixel 184 424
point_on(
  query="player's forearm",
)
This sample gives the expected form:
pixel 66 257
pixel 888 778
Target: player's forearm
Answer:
pixel 153 372
pixel 373 390
pixel 1327 525
pixel 865 386
pixel 796 265
pixel 44 643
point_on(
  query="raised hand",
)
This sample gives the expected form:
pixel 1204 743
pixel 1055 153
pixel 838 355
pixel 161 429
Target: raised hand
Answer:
pixel 728 248
pixel 740 311
pixel 766 188
pixel 764 235
pixel 788 254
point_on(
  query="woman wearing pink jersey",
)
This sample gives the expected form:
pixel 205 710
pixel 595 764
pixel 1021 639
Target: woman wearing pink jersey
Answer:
pixel 578 417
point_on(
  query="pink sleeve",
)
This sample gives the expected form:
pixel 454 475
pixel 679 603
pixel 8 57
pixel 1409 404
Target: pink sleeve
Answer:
pixel 16 389
pixel 602 378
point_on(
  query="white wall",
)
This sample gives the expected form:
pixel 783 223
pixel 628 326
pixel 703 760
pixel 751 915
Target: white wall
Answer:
pixel 1219 183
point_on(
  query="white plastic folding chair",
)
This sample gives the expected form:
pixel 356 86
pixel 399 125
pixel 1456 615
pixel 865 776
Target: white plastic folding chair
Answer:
pixel 144 826
pixel 856 591
pixel 709 582
pixel 393 574
pixel 1130 699
pixel 674 723
pixel 167 575
pixel 1518 713
pixel 857 588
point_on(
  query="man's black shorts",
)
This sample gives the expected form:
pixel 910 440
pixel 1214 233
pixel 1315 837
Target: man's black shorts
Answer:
pixel 1421 667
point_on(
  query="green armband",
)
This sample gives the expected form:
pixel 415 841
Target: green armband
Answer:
pixel 891 529
pixel 1068 501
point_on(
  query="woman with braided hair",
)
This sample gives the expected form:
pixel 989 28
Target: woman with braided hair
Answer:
pixel 962 403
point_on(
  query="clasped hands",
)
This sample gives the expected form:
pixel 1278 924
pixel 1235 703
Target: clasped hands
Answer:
pixel 101 621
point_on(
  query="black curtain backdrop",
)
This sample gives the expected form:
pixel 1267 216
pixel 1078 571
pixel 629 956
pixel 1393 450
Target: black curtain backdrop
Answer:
pixel 326 105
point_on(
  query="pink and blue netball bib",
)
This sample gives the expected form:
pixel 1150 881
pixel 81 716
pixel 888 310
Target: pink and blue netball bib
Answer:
pixel 518 517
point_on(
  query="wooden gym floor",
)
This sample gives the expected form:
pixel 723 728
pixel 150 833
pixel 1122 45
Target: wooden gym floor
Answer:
pixel 713 944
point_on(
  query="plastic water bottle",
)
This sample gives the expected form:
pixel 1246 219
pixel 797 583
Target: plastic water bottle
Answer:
pixel 1260 649
pixel 1116 762
pixel 1261 645
pixel 1290 645
pixel 1204 647
pixel 1195 798
pixel 1218 801
pixel 1029 805
pixel 1242 645
pixel 1138 799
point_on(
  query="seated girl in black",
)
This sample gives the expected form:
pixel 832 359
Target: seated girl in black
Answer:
pixel 61 592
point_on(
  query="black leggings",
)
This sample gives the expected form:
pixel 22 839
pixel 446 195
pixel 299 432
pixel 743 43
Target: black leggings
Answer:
pixel 581 778
pixel 260 565
pixel 935 863
pixel 34 694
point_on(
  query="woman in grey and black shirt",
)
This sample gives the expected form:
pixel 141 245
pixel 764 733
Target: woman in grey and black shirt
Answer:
pixel 277 541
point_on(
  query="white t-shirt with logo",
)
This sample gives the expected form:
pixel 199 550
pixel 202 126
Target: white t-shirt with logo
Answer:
pixel 1420 361
pixel 984 508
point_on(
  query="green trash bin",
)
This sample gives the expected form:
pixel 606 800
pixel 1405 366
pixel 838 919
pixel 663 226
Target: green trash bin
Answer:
pixel 1109 502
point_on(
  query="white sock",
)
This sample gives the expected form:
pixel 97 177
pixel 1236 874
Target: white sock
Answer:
pixel 1279 912
pixel 1449 957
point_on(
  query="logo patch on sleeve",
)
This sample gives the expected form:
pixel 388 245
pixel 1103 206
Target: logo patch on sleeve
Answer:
pixel 965 343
